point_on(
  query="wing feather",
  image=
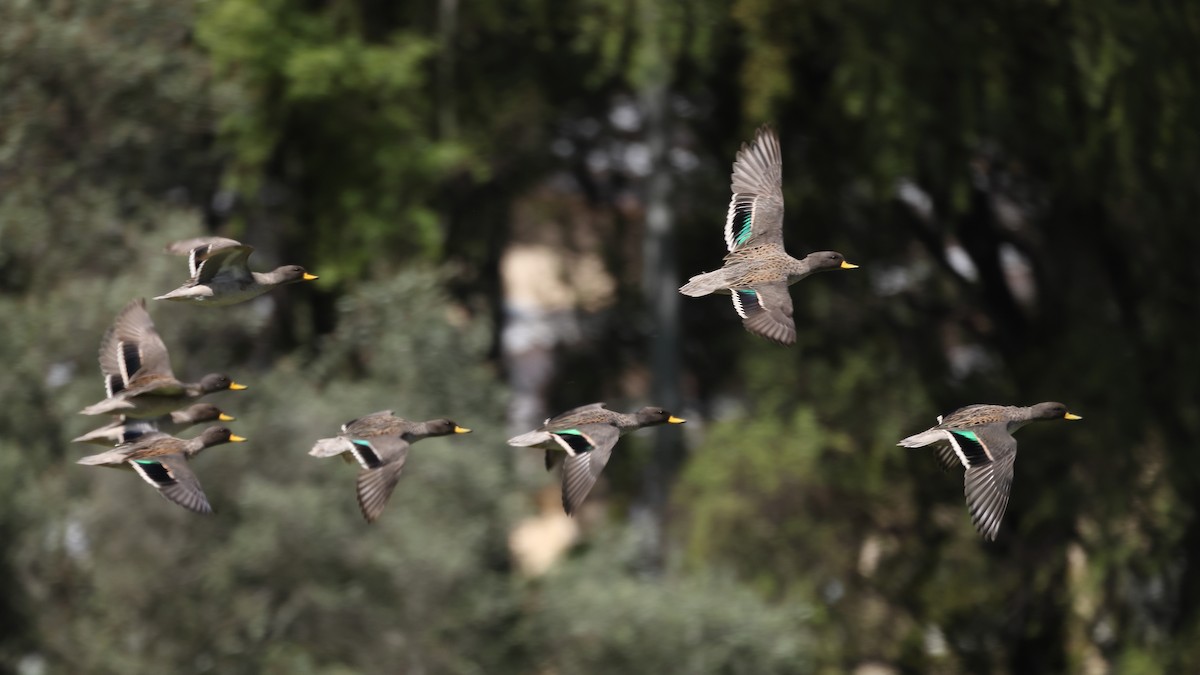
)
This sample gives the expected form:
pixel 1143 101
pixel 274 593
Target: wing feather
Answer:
pixel 581 470
pixel 375 487
pixel 766 311
pixel 756 209
pixel 987 484
pixel 174 480
pixel 131 346
pixel 229 261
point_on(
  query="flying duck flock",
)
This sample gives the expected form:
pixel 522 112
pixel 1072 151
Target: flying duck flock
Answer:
pixel 150 406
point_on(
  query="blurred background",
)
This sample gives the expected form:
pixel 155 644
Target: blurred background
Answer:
pixel 501 199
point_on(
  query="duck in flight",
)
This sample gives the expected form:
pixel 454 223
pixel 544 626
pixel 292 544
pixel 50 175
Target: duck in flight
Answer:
pixel 221 275
pixel 379 442
pixel 980 438
pixel 587 435
pixel 757 269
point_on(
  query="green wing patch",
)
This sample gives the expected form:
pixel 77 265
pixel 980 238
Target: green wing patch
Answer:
pixel 971 447
pixel 575 439
pixel 743 219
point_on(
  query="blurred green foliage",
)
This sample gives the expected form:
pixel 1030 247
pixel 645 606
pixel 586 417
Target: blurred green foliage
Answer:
pixel 293 82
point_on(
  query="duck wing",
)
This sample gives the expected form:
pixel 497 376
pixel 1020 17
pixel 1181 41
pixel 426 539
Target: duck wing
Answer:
pixel 756 209
pixel 174 480
pixel 220 250
pixel 766 311
pixel 592 446
pixel 991 455
pixel 130 347
pixel 383 460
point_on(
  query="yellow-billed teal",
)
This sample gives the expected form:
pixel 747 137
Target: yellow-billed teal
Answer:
pixel 757 269
pixel 137 371
pixel 220 274
pixel 380 442
pixel 980 438
pixel 587 434
pixel 162 461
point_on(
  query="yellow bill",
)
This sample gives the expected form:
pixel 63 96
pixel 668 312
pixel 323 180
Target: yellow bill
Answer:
pixel 234 438
pixel 848 266
pixel 1071 416
pixel 675 420
pixel 226 418
pixel 310 277
pixel 461 430
pixel 237 387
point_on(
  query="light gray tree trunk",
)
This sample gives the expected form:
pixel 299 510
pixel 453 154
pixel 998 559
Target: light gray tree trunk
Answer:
pixel 659 287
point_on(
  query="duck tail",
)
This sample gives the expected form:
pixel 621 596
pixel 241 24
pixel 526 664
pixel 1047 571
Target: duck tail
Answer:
pixel 924 438
pixel 109 457
pixel 529 439
pixel 101 436
pixel 118 432
pixel 108 405
pixel 703 284
pixel 330 447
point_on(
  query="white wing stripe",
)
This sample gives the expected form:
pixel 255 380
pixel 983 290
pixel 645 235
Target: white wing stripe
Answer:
pixel 732 228
pixel 962 457
pixel 141 471
pixel 729 223
pixel 357 451
pixel 192 263
pixel 563 442
pixel 737 303
pixel 121 361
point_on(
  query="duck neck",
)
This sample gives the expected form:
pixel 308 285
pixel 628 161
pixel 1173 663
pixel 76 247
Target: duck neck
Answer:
pixel 798 269
pixel 266 278
pixel 1024 416
pixel 628 423
pixel 419 430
